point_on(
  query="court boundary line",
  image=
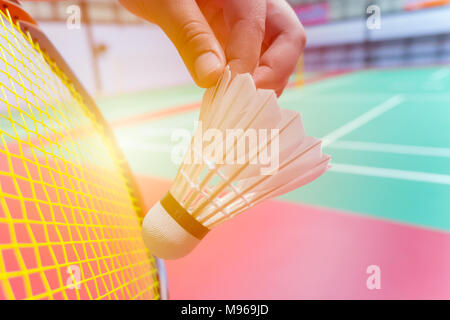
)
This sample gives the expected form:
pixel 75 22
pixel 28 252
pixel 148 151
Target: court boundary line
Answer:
pixel 391 173
pixel 440 74
pixel 390 148
pixel 362 119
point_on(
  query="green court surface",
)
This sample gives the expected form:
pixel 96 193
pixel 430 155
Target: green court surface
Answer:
pixel 126 105
pixel 388 132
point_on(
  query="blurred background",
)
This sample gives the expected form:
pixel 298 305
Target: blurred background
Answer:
pixel 117 52
pixel 374 83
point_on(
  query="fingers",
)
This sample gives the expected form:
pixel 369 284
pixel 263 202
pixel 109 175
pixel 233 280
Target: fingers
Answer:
pixel 284 42
pixel 246 29
pixel 213 12
pixel 246 23
pixel 187 28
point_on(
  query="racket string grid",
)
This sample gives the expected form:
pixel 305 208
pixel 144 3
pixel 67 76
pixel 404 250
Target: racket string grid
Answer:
pixel 68 223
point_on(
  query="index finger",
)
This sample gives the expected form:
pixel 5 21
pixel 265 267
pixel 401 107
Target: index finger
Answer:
pixel 285 40
pixel 246 21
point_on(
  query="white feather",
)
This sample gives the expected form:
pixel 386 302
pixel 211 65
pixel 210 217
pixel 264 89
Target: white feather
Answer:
pixel 218 190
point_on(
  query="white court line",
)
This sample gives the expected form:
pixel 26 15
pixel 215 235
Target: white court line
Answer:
pixel 392 173
pixel 391 148
pixel 363 119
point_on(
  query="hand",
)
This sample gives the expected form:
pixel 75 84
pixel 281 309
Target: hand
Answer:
pixel 262 37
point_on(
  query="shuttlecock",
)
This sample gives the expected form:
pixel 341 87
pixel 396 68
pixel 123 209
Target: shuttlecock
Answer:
pixel 244 150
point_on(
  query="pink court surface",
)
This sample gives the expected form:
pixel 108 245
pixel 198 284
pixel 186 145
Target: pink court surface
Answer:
pixel 284 250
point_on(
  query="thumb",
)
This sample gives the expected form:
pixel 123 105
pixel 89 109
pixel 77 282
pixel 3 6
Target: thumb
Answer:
pixel 187 28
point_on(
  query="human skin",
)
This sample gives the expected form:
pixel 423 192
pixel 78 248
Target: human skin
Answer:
pixel 261 37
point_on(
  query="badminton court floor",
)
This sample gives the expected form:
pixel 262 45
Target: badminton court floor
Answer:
pixel 384 203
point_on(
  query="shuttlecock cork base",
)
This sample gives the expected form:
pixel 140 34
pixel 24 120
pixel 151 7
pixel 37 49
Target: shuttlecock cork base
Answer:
pixel 169 231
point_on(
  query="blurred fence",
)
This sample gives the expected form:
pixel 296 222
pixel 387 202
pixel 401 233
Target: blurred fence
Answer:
pixel 345 9
pixel 405 38
pixel 408 51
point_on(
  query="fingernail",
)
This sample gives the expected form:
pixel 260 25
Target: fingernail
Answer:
pixel 206 64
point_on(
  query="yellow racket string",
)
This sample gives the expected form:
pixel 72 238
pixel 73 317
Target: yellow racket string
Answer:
pixel 69 227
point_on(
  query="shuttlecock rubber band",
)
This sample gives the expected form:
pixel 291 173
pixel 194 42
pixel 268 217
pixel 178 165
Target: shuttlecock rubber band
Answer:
pixel 182 217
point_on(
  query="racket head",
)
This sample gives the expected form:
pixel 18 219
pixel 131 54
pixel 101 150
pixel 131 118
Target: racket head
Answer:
pixel 70 209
